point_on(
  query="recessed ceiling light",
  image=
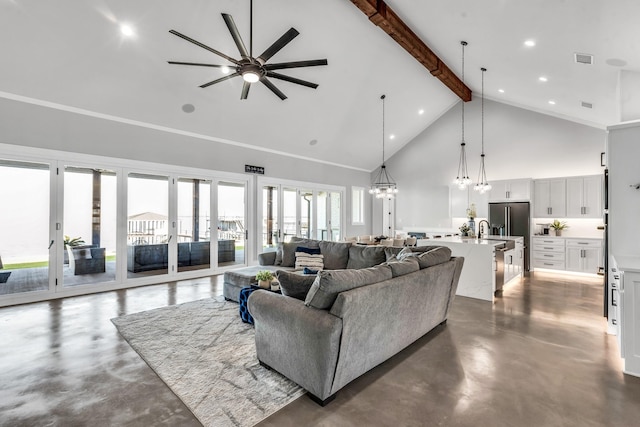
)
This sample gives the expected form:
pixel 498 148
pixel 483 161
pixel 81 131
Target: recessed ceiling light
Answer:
pixel 313 142
pixel 225 70
pixel 421 112
pixel 552 102
pixel 543 79
pixel 501 90
pixel 530 43
pixel 126 30
pixel 392 136
pixel 188 108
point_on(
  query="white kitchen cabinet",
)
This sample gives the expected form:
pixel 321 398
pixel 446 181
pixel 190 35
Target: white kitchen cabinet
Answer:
pixel 583 255
pixel 510 190
pixel 549 198
pixel 461 199
pixel 629 314
pixel 584 197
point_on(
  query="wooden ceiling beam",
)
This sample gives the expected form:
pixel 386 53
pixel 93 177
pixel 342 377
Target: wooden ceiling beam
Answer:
pixel 381 15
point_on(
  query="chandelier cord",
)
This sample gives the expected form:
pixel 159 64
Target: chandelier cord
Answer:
pixel 383 97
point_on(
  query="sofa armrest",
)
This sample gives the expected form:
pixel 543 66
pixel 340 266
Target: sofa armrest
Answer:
pixel 267 258
pixel 300 342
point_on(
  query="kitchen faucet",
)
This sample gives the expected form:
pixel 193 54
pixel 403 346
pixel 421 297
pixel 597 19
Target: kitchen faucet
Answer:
pixel 481 228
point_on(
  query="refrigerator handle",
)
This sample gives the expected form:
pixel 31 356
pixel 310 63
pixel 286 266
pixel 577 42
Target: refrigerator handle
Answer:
pixel 507 220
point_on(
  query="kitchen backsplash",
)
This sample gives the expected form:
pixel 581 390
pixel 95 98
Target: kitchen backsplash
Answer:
pixel 577 227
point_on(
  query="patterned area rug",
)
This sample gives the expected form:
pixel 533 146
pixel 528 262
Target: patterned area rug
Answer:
pixel 207 356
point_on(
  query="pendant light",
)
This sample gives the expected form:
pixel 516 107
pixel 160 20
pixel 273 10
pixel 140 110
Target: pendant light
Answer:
pixel 383 186
pixel 483 185
pixel 462 179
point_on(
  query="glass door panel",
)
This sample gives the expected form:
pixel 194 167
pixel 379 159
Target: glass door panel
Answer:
pixel 335 215
pixel 289 214
pixel 231 224
pixel 147 225
pixel 270 230
pixel 194 224
pixel 89 225
pixel 321 216
pixel 24 227
pixel 306 208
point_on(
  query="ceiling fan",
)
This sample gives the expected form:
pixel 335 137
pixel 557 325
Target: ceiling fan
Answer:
pixel 253 69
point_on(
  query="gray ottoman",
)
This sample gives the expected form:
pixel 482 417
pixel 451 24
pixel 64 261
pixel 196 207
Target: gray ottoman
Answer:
pixel 235 280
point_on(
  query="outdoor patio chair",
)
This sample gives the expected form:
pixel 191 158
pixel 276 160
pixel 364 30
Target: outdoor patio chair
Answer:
pixel 86 260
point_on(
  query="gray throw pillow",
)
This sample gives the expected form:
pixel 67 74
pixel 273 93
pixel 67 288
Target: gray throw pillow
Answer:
pixel 434 257
pixel 336 254
pixel 406 266
pixel 329 283
pixel 365 256
pixel 286 252
pixel 295 285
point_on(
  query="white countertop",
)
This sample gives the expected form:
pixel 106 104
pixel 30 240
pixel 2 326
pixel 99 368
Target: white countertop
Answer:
pixel 488 241
pixel 628 263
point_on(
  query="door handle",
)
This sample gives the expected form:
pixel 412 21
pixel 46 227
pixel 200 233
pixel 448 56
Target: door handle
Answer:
pixel 50 244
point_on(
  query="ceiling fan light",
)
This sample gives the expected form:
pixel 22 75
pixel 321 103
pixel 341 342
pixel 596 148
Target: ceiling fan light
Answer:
pixel 250 77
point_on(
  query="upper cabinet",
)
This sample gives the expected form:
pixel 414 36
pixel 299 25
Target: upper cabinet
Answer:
pixel 549 198
pixel 511 190
pixel 584 197
pixel 461 199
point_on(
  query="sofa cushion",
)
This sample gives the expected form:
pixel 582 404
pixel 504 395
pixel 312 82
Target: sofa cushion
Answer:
pixel 295 285
pixel 336 254
pixel 435 256
pixel 307 260
pixel 406 266
pixel 329 283
pixel 420 249
pixel 405 253
pixel 286 252
pixel 365 256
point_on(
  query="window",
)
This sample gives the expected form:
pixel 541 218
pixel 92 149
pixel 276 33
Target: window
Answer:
pixel 357 205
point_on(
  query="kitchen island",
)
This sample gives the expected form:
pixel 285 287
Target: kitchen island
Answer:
pixel 488 264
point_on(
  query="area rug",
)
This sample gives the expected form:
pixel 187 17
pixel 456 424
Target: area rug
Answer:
pixel 207 356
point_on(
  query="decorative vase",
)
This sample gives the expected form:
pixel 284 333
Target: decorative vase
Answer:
pixel 472 226
pixel 558 233
pixel 264 284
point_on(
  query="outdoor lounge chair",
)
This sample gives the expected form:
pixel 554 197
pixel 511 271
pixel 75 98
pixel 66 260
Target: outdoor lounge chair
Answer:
pixel 86 260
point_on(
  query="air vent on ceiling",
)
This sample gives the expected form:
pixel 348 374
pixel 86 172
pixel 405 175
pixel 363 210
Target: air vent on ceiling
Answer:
pixel 583 58
pixel 586 104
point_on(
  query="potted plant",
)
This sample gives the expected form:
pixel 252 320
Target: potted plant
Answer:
pixel 264 278
pixel 71 242
pixel 464 229
pixel 558 226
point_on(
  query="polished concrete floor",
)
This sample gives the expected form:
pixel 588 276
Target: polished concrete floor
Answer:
pixel 538 357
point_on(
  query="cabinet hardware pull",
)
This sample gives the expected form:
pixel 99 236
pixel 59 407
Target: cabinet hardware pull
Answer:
pixel 614 322
pixel 548 256
pixel 547 263
pixel 547 248
pixel 583 243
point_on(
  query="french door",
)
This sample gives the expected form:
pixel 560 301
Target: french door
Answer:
pixel 289 210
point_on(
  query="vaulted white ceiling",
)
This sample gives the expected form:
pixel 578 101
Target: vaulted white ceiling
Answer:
pixel 72 54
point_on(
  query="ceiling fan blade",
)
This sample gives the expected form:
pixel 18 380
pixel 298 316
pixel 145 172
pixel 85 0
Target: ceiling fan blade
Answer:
pixel 291 79
pixel 278 44
pixel 274 89
pixel 245 90
pixel 198 64
pixel 230 76
pixel 204 46
pixel 231 25
pixel 296 64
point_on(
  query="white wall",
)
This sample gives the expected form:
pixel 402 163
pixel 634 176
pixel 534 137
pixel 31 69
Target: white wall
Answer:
pixel 42 127
pixel 518 144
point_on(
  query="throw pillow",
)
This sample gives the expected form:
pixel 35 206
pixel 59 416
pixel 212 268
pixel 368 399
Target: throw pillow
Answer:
pixel 305 260
pixel 329 283
pixel 434 257
pixel 391 252
pixel 405 253
pixel 286 252
pixel 336 254
pixel 294 285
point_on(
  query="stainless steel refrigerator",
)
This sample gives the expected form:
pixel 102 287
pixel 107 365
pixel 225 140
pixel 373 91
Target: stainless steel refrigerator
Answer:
pixel 511 219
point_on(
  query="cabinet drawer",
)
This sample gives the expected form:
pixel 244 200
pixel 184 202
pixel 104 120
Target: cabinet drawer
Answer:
pixel 548 242
pixel 555 265
pixel 584 243
pixel 551 256
pixel 547 248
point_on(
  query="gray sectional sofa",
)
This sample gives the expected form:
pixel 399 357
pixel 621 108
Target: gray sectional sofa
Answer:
pixel 351 320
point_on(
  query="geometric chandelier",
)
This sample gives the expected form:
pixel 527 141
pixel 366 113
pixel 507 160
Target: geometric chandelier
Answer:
pixel 462 179
pixel 383 185
pixel 483 185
